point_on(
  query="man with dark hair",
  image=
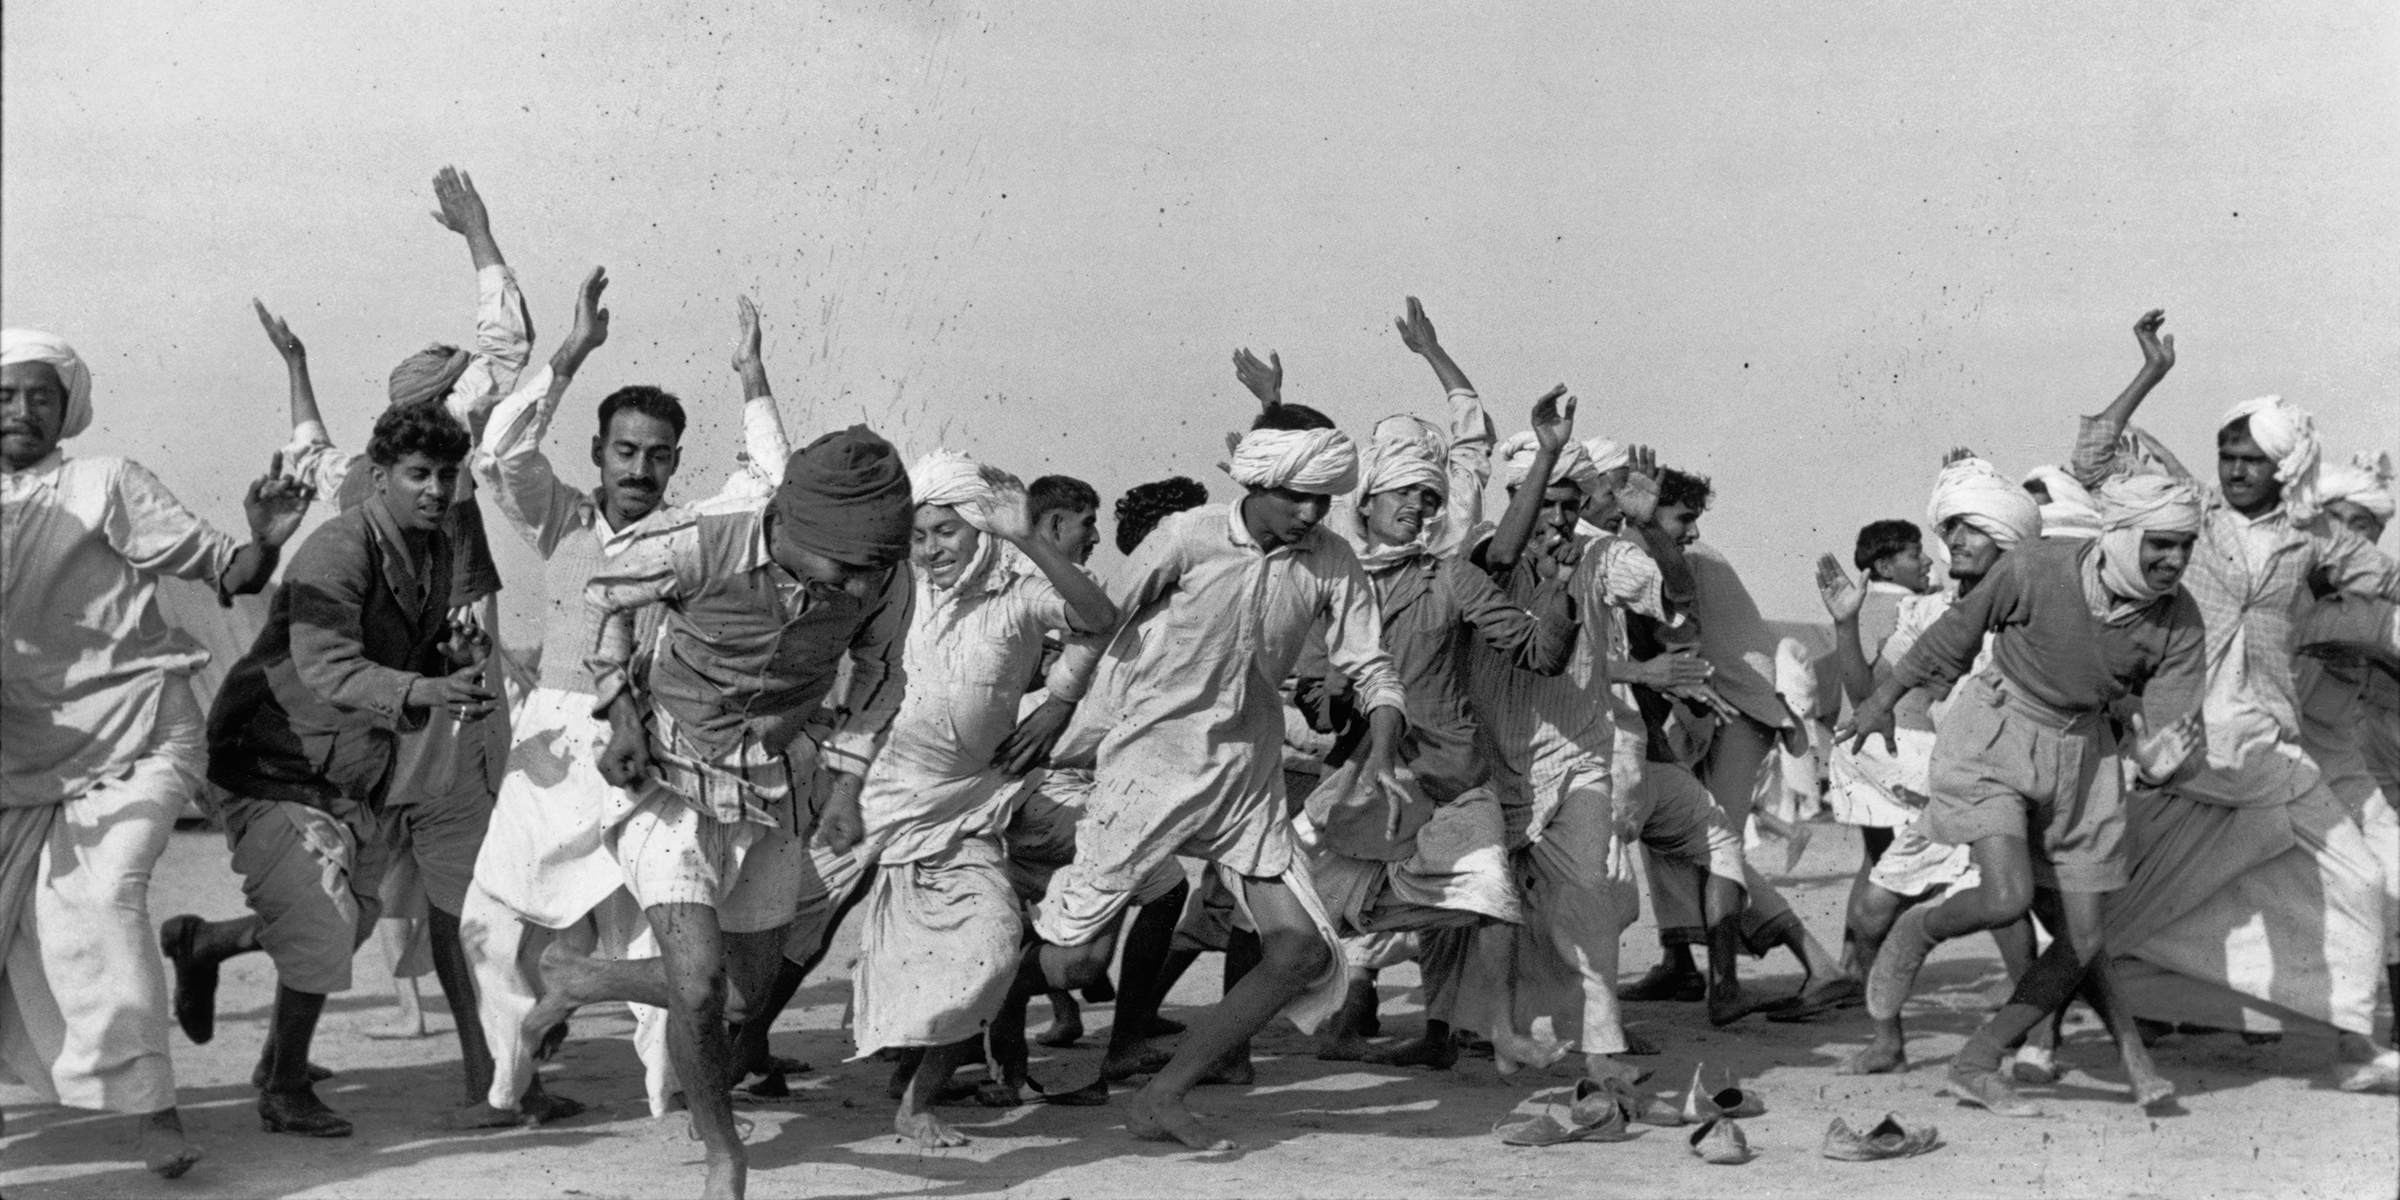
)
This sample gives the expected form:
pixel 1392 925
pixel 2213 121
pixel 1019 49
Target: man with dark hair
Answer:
pixel 101 741
pixel 1144 505
pixel 1066 513
pixel 358 647
pixel 726 767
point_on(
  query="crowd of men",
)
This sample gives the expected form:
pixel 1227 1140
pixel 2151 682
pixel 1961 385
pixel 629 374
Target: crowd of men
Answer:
pixel 2148 725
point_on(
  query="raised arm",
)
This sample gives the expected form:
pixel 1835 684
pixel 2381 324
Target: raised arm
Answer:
pixel 1843 598
pixel 1553 425
pixel 1006 516
pixel 510 456
pixel 503 327
pixel 310 459
pixel 1416 333
pixel 2096 442
pixel 1637 499
pixel 1264 379
pixel 763 436
pixel 155 532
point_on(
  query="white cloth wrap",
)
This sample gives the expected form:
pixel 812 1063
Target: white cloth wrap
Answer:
pixel 2130 506
pixel 2366 481
pixel 951 479
pixel 2288 434
pixel 1606 455
pixel 1321 462
pixel 2071 512
pixel 33 345
pixel 1574 463
pixel 1976 491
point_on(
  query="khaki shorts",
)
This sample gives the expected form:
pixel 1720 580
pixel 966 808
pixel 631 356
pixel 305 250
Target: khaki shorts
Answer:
pixel 674 854
pixel 2004 764
pixel 312 878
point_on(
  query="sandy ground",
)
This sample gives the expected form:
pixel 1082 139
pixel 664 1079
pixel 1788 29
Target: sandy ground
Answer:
pixel 2256 1120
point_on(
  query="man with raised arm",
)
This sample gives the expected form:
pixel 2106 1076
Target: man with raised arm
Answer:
pixel 727 769
pixel 1223 597
pixel 303 738
pixel 2265 543
pixel 101 741
pixel 940 945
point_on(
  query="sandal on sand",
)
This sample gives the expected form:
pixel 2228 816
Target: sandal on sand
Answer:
pixel 1888 1139
pixel 1719 1142
pixel 1597 1115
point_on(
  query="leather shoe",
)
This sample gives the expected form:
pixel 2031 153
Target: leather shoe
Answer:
pixel 1666 983
pixel 195 982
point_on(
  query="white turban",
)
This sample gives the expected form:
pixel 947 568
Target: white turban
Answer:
pixel 2130 506
pixel 33 345
pixel 947 477
pixel 2071 513
pixel 1574 463
pixel 2366 481
pixel 1607 455
pixel 2289 436
pixel 1321 462
pixel 1405 451
pixel 1976 491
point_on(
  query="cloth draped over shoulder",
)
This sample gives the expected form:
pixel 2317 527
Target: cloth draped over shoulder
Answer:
pixel 846 496
pixel 1975 491
pixel 2288 434
pixel 33 345
pixel 1320 462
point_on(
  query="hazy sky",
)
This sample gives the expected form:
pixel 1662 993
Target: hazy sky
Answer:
pixel 1802 248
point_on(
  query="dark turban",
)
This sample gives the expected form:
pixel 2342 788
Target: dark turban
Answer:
pixel 846 497
pixel 429 373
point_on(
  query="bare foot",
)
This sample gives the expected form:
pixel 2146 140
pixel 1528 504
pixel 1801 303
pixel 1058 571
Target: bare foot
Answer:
pixel 1882 1056
pixel 1234 1070
pixel 926 1130
pixel 2035 1065
pixel 1146 1060
pixel 1066 1022
pixel 562 970
pixel 728 1177
pixel 1157 1119
pixel 2150 1089
pixel 1513 1052
pixel 1439 1054
pixel 159 1140
pixel 1985 1089
pixel 1347 1047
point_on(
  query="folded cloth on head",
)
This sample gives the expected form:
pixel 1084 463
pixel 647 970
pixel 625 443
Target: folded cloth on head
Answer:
pixel 2071 512
pixel 2288 434
pixel 846 496
pixel 1320 462
pixel 1574 463
pixel 33 345
pixel 1975 491
pixel 429 373
pixel 2130 506
pixel 2366 481
pixel 947 477
pixel 1405 451
pixel 1606 455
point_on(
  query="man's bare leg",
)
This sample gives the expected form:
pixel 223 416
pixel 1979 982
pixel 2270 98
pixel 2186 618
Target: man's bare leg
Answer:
pixel 1139 994
pixel 2076 917
pixel 692 952
pixel 1342 1039
pixel 916 1121
pixel 1244 950
pixel 1043 967
pixel 1292 956
pixel 572 978
pixel 2002 896
pixel 392 936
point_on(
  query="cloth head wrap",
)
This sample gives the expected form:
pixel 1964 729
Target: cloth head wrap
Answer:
pixel 948 477
pixel 2130 506
pixel 1606 455
pixel 1405 451
pixel 1976 491
pixel 429 373
pixel 846 497
pixel 1574 463
pixel 1321 462
pixel 2289 436
pixel 2366 481
pixel 33 345
pixel 2071 513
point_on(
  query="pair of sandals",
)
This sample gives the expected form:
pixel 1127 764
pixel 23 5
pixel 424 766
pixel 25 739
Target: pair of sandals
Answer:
pixel 1601 1111
pixel 1606 1110
pixel 1889 1138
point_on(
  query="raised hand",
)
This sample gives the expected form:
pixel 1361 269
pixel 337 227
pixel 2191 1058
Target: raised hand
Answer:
pixel 1554 419
pixel 1416 330
pixel 590 330
pixel 1008 514
pixel 1843 595
pixel 1264 379
pixel 286 342
pixel 2158 353
pixel 747 354
pixel 1637 496
pixel 461 210
pixel 1957 454
pixel 275 505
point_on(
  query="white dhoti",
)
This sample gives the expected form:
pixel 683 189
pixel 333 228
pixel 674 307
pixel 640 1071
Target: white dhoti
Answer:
pixel 83 992
pixel 938 948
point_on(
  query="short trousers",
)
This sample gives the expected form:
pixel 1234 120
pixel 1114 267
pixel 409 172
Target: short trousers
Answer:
pixel 312 878
pixel 2005 764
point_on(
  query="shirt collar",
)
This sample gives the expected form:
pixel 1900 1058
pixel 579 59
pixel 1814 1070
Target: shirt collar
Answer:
pixel 1239 531
pixel 41 476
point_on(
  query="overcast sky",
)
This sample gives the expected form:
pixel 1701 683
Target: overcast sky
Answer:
pixel 1802 248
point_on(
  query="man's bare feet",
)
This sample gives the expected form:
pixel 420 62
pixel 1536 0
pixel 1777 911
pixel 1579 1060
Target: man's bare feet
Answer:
pixel 1985 1089
pixel 926 1130
pixel 1439 1054
pixel 1146 1060
pixel 1066 1022
pixel 563 969
pixel 1158 1119
pixel 1883 1056
pixel 159 1140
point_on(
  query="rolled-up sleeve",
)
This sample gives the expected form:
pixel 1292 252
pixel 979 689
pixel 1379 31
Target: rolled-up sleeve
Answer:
pixel 658 568
pixel 877 678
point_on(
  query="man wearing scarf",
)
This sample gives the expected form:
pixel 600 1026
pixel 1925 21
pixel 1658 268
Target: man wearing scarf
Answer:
pixel 1222 597
pixel 1456 878
pixel 2025 764
pixel 100 740
pixel 2307 876
pixel 737 808
pixel 941 933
